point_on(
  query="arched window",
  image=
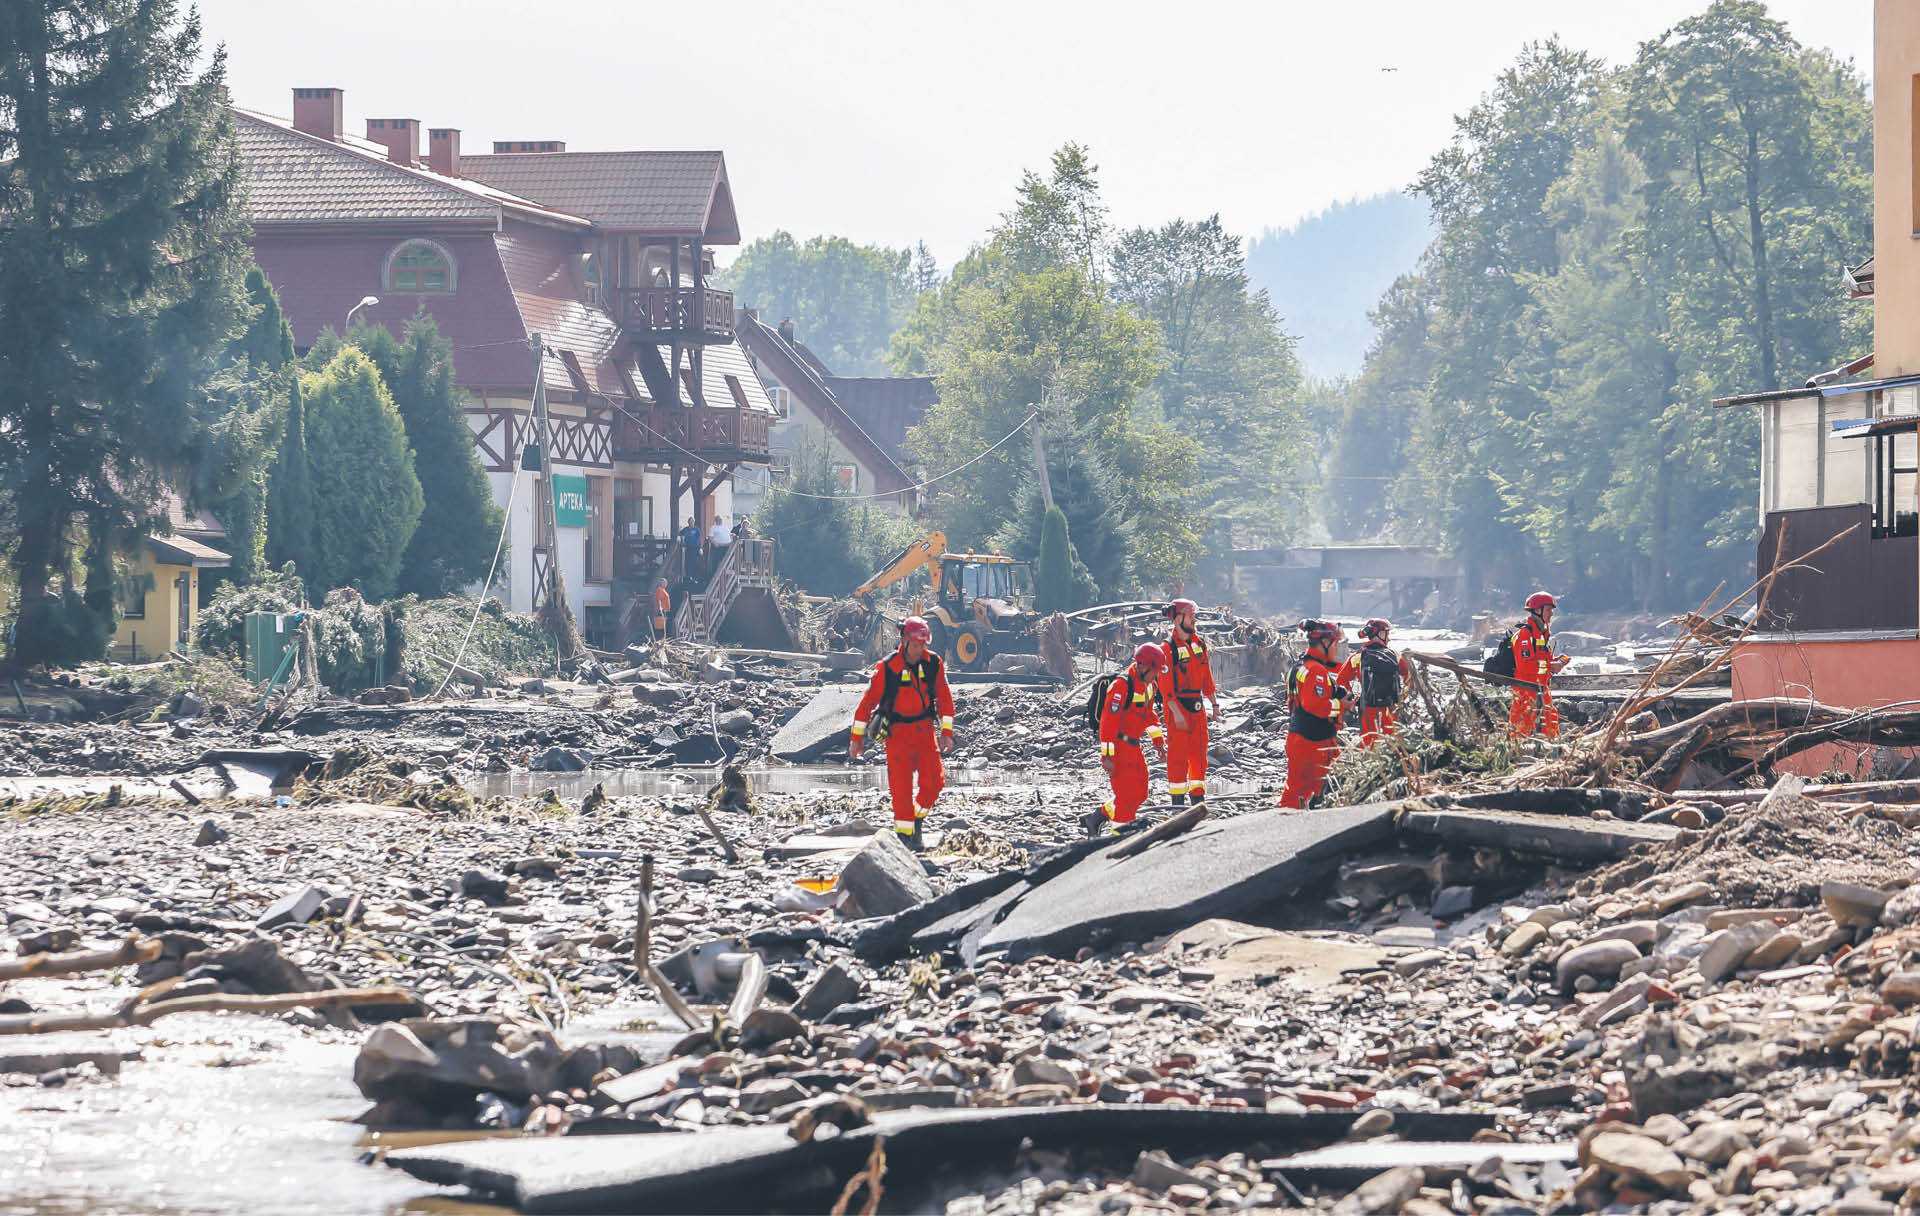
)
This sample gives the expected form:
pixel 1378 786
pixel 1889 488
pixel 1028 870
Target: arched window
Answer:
pixel 419 268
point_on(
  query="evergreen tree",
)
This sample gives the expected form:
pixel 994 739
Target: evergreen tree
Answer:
pixel 363 523
pixel 814 536
pixel 290 489
pixel 1060 582
pixel 460 523
pixel 253 387
pixel 120 264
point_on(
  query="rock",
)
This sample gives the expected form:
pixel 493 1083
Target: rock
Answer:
pixel 442 1065
pixel 1374 1123
pixel 883 878
pixel 1681 896
pixel 1155 1171
pixel 735 722
pixel 832 988
pixel 1388 1192
pixel 1548 915
pixel 1728 949
pixel 48 941
pixel 770 1093
pixel 1601 1012
pixel 1902 988
pixel 1451 902
pixel 1374 885
pixel 487 886
pixel 1851 904
pixel 766 1026
pixel 1776 950
pixel 295 908
pixel 1667 1129
pixel 210 833
pixel 1902 908
pixel 1639 934
pixel 1712 1143
pixel 1636 1158
pixel 39 913
pixel 714 671
pixel 1039 1070
pixel 1602 960
pixel 563 760
pixel 1525 937
pixel 1419 961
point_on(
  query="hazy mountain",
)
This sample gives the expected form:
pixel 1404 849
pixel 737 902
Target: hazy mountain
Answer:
pixel 1326 271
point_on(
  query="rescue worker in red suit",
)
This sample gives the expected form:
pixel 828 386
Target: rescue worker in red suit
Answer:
pixel 917 681
pixel 1187 691
pixel 1316 700
pixel 1368 669
pixel 1129 716
pixel 1535 663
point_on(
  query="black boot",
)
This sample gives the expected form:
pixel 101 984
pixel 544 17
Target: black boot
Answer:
pixel 1199 799
pixel 1093 822
pixel 1177 799
pixel 911 839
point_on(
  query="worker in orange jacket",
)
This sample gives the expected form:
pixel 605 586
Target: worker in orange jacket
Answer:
pixel 1129 715
pixel 662 605
pixel 907 689
pixel 1535 663
pixel 1316 699
pixel 1187 691
pixel 1380 674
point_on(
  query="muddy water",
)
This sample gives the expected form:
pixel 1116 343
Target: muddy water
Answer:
pixel 223 1115
pixel 693 783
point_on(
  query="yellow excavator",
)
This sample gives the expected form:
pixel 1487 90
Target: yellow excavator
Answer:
pixel 982 602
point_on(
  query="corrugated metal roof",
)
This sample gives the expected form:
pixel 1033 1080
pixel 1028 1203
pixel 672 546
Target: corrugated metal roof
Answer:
pixel 669 193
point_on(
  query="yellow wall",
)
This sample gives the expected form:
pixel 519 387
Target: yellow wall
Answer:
pixel 159 631
pixel 1896 250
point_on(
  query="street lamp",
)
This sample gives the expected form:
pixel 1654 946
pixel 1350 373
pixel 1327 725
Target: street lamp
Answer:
pixel 365 300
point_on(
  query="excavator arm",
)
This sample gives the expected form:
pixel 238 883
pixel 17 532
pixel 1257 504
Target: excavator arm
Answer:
pixel 924 553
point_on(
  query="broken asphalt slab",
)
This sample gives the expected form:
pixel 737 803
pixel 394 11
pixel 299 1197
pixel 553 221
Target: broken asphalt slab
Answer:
pixel 1218 869
pixel 1561 838
pixel 760 1169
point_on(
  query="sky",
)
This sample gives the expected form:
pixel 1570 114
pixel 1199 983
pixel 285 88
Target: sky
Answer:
pixel 893 121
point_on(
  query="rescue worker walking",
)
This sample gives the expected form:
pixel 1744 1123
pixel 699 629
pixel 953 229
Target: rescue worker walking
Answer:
pixel 1129 714
pixel 1535 663
pixel 662 605
pixel 1316 700
pixel 907 688
pixel 1187 690
pixel 1381 674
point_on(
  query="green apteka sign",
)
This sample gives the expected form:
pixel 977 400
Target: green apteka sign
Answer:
pixel 570 502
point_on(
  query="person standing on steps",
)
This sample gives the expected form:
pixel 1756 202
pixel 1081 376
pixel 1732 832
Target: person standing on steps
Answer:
pixel 1381 674
pixel 719 537
pixel 1316 700
pixel 1129 716
pixel 1187 690
pixel 908 687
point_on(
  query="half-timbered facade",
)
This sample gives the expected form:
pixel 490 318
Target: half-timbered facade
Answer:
pixel 652 405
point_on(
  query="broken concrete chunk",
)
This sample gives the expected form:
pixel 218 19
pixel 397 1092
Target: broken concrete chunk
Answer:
pixel 832 988
pixel 1728 949
pixel 294 908
pixel 883 878
pixel 487 886
pixel 442 1065
pixel 210 833
pixel 1852 904
pixel 1155 1171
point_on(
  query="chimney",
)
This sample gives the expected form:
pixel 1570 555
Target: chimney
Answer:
pixel 503 147
pixel 401 137
pixel 443 151
pixel 786 329
pixel 318 112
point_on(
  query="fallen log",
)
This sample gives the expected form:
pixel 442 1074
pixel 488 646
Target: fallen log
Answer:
pixel 1170 827
pixel 137 1013
pixel 133 950
pixel 1472 673
pixel 1764 732
pixel 1881 792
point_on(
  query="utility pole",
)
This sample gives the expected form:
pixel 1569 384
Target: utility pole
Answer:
pixel 1040 453
pixel 550 598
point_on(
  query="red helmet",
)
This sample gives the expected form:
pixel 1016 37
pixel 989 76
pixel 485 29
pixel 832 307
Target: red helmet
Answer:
pixel 915 628
pixel 1539 600
pixel 1320 632
pixel 1149 656
pixel 1177 607
pixel 1376 627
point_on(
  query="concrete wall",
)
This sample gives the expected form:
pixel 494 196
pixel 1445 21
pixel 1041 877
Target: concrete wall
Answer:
pixel 1896 252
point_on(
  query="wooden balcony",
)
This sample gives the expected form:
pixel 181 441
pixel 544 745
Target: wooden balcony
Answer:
pixel 716 434
pixel 696 315
pixel 640 557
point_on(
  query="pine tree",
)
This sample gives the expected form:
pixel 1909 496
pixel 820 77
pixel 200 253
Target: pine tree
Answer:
pixel 257 383
pixel 363 523
pixel 1060 582
pixel 290 489
pixel 459 524
pixel 120 264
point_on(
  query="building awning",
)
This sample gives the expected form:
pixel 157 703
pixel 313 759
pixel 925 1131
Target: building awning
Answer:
pixel 1823 390
pixel 182 551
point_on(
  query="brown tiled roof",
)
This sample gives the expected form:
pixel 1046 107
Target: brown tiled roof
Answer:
pixel 764 344
pixel 886 407
pixel 669 193
pixel 296 178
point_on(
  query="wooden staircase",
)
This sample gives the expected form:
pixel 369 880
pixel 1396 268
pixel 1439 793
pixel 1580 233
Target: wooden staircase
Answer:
pixel 745 582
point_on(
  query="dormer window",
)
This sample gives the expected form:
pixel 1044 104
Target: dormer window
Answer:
pixel 420 268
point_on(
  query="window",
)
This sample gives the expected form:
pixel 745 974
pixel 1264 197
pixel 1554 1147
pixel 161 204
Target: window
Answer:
pixel 591 273
pixel 781 398
pixel 420 268
pixel 846 478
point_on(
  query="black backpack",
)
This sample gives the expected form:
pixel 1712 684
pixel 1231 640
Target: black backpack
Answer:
pixel 1379 677
pixel 1097 698
pixel 1500 662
